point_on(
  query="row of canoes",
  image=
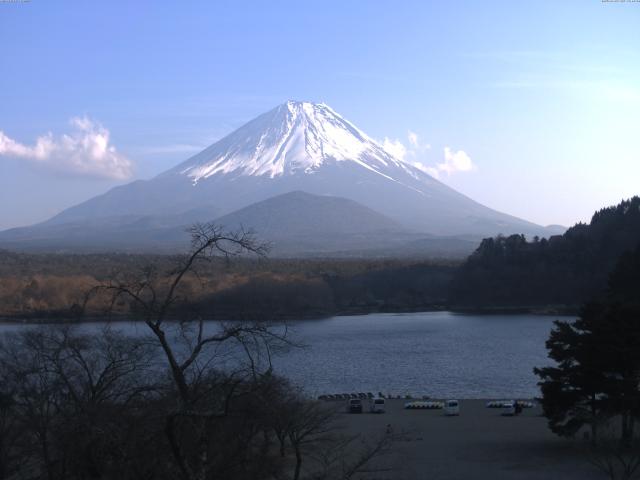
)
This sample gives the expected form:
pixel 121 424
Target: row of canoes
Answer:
pixel 422 405
pixel 346 396
pixel 431 405
pixel 364 396
pixel 502 403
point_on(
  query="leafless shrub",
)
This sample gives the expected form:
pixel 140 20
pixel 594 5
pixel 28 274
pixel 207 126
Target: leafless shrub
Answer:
pixel 619 460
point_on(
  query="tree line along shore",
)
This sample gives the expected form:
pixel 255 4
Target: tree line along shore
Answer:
pixel 506 274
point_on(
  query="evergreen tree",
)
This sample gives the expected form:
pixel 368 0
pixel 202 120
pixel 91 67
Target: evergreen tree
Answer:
pixel 597 372
pixel 565 270
pixel 573 391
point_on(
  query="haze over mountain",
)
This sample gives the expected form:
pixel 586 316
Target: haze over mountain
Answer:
pixel 299 223
pixel 298 146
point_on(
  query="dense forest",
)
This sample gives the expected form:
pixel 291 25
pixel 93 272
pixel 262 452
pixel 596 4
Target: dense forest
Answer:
pixel 561 271
pixel 45 286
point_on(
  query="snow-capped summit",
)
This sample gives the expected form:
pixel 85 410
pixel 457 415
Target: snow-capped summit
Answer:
pixel 295 137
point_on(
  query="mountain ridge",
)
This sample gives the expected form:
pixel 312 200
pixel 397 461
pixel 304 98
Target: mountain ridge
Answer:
pixel 297 146
pixel 289 223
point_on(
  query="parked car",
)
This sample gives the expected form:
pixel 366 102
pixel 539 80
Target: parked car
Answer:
pixel 452 407
pixel 355 406
pixel 376 405
pixel 508 409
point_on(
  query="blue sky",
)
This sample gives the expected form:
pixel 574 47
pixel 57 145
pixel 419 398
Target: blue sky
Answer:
pixel 543 97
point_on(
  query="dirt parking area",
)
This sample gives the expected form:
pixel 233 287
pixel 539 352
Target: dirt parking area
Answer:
pixel 478 444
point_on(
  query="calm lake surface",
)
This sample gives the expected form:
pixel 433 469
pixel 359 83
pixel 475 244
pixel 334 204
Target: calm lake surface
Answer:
pixel 440 354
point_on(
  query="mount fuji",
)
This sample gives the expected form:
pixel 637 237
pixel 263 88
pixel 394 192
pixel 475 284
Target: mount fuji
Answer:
pixel 296 147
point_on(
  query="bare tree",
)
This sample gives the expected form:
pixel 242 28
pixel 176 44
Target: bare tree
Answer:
pixel 153 297
pixel 9 433
pixel 618 459
pixel 315 436
pixel 156 299
pixel 198 401
pixel 309 421
pixel 69 394
pixel 36 396
pixel 344 457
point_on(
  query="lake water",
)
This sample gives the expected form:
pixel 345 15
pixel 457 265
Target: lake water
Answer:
pixel 440 354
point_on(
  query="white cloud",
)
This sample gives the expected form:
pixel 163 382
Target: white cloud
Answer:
pixel 85 151
pixel 400 150
pixel 454 161
pixel 395 148
pixel 413 138
pixel 433 171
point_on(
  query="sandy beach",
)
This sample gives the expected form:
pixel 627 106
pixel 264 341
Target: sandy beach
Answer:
pixel 478 444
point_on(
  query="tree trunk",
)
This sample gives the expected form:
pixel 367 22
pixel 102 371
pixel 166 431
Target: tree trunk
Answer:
pixel 266 442
pixel 594 421
pixel 281 439
pixel 203 456
pixel 169 430
pixel 176 371
pixel 45 455
pixel 626 429
pixel 296 474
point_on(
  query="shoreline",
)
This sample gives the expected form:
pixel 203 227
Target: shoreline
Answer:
pixel 58 318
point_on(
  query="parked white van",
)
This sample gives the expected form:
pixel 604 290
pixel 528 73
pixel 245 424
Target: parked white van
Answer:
pixel 376 405
pixel 508 408
pixel 452 407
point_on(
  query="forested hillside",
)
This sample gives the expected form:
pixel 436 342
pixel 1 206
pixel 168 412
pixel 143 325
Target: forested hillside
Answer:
pixel 45 286
pixel 562 271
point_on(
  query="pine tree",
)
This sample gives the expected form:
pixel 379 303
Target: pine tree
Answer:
pixel 597 372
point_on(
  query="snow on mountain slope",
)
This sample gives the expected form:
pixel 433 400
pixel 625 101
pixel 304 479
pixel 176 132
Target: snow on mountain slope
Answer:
pixel 296 137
